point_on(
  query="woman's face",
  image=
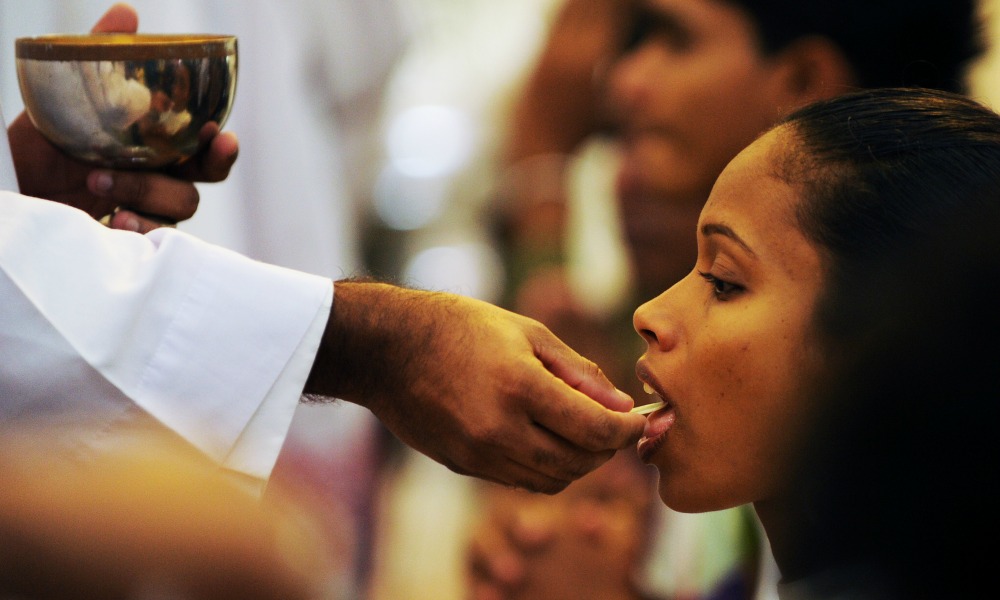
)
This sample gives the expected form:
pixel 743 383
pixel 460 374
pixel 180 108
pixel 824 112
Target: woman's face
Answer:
pixel 693 91
pixel 729 347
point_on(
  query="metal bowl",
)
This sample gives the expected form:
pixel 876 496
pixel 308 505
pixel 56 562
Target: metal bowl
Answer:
pixel 127 100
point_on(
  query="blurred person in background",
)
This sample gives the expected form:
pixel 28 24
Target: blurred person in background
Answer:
pixel 604 537
pixel 677 88
pixel 152 519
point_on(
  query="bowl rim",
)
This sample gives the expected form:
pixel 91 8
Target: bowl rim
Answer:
pixel 125 46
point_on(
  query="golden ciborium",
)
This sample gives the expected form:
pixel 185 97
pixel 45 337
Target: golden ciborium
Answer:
pixel 127 100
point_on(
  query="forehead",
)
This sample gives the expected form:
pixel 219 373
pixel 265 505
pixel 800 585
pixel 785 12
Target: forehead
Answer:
pixel 761 207
pixel 754 168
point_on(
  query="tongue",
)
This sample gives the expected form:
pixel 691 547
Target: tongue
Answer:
pixel 659 422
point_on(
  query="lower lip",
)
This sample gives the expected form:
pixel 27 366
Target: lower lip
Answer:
pixel 657 426
pixel 647 448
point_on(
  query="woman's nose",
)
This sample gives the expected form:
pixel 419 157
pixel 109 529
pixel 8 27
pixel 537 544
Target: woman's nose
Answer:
pixel 627 83
pixel 651 321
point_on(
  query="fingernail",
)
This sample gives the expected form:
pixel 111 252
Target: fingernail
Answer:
pixel 101 182
pixel 130 223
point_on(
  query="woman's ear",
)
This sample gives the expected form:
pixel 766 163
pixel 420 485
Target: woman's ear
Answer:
pixel 814 68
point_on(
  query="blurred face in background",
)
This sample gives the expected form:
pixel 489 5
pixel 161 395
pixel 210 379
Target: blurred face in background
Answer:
pixel 601 527
pixel 690 92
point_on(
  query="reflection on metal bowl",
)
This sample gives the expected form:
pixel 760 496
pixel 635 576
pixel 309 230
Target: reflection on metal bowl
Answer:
pixel 127 100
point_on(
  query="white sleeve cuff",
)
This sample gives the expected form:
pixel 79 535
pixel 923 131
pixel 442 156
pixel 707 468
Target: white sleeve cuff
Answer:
pixel 256 451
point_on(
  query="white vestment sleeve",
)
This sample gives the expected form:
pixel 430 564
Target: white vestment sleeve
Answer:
pixel 256 451
pixel 211 344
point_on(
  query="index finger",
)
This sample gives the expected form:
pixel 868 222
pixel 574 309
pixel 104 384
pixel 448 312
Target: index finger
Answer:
pixel 581 374
pixel 583 423
pixel 582 405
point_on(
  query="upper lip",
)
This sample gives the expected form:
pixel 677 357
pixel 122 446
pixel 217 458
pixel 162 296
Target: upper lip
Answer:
pixel 643 373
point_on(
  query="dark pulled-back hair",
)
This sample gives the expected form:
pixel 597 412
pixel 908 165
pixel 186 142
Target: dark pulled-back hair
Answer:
pixel 880 166
pixel 889 43
pixel 901 468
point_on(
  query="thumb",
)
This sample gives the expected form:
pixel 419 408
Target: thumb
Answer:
pixel 120 18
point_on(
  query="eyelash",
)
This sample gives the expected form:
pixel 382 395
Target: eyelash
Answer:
pixel 722 290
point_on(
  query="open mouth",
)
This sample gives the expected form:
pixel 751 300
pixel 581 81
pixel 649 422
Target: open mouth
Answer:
pixel 661 418
pixel 656 404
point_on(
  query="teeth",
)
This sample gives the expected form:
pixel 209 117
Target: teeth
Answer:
pixel 655 405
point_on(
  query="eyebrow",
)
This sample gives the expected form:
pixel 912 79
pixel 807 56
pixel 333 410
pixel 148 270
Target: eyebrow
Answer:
pixel 709 229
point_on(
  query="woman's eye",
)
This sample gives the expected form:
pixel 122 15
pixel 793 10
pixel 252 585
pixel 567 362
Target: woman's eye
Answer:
pixel 722 289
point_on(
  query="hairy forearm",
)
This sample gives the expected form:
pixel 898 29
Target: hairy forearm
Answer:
pixel 366 352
